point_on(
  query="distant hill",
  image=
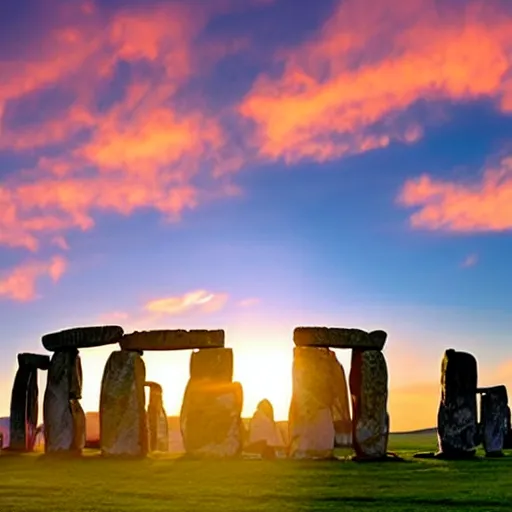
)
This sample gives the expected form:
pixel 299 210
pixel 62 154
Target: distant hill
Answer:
pixel 423 431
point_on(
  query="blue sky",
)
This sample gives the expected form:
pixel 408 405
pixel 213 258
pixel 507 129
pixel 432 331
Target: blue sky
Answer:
pixel 256 166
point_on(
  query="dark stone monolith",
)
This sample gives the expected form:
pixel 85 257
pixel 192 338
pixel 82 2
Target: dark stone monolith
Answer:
pixel 25 402
pixel 493 413
pixel 369 390
pixel 457 428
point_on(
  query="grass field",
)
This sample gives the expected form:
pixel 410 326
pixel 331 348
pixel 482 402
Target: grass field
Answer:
pixel 33 483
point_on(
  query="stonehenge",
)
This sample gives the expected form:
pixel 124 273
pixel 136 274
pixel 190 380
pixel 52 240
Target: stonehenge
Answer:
pixel 64 419
pixel 319 416
pixel 211 413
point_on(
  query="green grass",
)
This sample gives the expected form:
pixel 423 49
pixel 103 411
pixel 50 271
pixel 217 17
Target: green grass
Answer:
pixel 33 483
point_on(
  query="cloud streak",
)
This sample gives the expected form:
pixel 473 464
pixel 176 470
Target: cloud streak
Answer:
pixel 478 206
pixel 351 87
pixel 140 149
pixel 197 301
pixel 106 117
pixel 19 283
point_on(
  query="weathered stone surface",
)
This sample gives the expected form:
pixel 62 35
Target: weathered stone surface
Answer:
pixel 123 422
pixel 210 419
pixel 340 406
pixel 457 416
pixel 264 436
pixel 493 413
pixel 335 337
pixel 172 340
pixel 64 419
pixel 157 419
pixel 82 337
pixel 24 405
pixel 212 363
pixel 36 361
pixel 369 390
pixel 310 419
pixel 508 436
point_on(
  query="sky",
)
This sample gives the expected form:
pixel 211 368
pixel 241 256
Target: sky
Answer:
pixel 256 165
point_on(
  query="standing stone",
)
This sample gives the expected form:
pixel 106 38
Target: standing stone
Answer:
pixel 64 419
pixel 457 428
pixel 369 390
pixel 211 413
pixel 340 406
pixel 493 412
pixel 265 438
pixel 157 419
pixel 310 422
pixel 210 419
pixel 25 402
pixel 123 422
pixel 213 363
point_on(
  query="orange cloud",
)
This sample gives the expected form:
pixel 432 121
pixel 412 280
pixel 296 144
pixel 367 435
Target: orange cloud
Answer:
pixel 19 284
pixel 199 301
pixel 485 205
pixel 348 89
pixel 142 151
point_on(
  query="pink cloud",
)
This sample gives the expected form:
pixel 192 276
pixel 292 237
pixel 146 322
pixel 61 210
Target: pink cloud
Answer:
pixel 141 152
pixel 470 261
pixel 348 88
pixel 197 301
pixel 481 205
pixel 249 302
pixel 19 283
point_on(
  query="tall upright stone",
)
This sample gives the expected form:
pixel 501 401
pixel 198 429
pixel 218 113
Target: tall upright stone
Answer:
pixel 25 402
pixel 369 390
pixel 210 418
pixel 157 419
pixel 493 413
pixel 457 428
pixel 64 419
pixel 123 421
pixel 310 420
